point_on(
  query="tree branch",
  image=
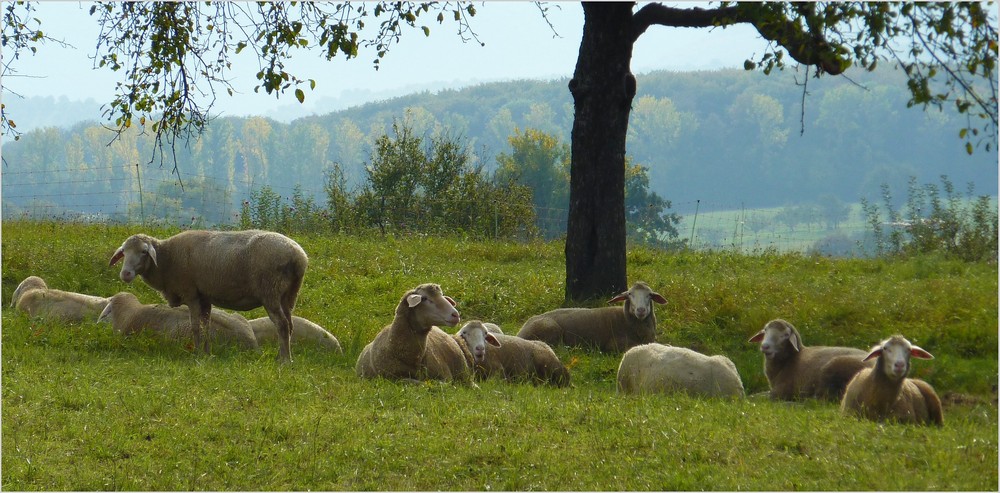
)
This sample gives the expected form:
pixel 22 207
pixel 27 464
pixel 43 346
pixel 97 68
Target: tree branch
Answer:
pixel 809 48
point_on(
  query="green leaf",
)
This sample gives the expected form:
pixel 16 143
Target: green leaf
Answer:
pixel 301 96
pixel 968 148
pixel 427 31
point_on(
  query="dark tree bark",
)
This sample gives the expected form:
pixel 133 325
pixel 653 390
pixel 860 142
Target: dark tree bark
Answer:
pixel 603 87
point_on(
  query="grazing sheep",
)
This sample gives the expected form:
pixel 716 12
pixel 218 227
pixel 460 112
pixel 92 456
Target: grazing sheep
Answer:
pixel 653 367
pixel 35 298
pixel 513 358
pixel 795 371
pixel 608 329
pixel 303 330
pixel 412 348
pixel 238 270
pixel 884 391
pixel 128 316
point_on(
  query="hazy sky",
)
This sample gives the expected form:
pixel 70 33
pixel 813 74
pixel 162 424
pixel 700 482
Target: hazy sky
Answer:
pixel 519 45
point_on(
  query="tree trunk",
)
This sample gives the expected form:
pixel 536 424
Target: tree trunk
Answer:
pixel 603 88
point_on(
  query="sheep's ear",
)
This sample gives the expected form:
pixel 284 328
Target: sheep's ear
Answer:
pixel 917 352
pixel 152 253
pixel 491 339
pixel 757 337
pixel 105 313
pixel 414 300
pixel 657 297
pixel 450 301
pixel 876 352
pixel 794 339
pixel 621 297
pixel 119 253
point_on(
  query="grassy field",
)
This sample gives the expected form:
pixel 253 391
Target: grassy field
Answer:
pixel 84 409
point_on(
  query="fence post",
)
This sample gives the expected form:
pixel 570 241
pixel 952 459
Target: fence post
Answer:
pixel 697 204
pixel 142 212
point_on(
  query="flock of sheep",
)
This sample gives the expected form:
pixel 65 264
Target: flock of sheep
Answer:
pixel 244 270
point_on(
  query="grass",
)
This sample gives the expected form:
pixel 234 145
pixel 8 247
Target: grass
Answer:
pixel 84 409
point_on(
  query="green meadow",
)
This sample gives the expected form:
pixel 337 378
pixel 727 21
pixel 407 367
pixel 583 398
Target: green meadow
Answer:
pixel 86 409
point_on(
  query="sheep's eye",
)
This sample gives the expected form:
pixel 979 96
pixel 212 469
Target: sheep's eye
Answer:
pixel 423 298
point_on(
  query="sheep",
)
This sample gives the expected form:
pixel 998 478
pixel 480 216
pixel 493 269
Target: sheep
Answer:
pixel 516 359
pixel 303 330
pixel 412 347
pixel 492 328
pixel 795 371
pixel 884 392
pixel 472 338
pixel 608 329
pixel 34 297
pixel 656 367
pixel 239 270
pixel 129 316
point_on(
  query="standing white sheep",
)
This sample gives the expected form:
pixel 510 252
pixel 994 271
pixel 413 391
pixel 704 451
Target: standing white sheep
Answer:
pixel 129 316
pixel 412 347
pixel 653 367
pixel 303 330
pixel 608 329
pixel 514 358
pixel 35 298
pixel 239 270
pixel 794 370
pixel 885 391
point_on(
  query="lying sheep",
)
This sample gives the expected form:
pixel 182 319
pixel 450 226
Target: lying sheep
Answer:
pixel 35 298
pixel 412 347
pixel 239 270
pixel 608 329
pixel 884 391
pixel 128 316
pixel 513 358
pixel 303 330
pixel 653 367
pixel 472 338
pixel 795 371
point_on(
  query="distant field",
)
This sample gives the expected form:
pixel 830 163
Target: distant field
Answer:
pixel 84 409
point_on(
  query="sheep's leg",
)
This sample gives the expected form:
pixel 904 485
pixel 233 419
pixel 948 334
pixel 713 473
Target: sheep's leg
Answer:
pixel 206 321
pixel 195 309
pixel 282 320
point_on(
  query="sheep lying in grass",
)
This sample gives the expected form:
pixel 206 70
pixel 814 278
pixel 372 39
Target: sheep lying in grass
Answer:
pixel 412 347
pixel 653 367
pixel 608 329
pixel 794 370
pixel 884 392
pixel 303 331
pixel 473 338
pixel 128 316
pixel 239 270
pixel 513 358
pixel 35 298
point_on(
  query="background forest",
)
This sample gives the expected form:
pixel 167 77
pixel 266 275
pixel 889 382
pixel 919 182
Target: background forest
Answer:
pixel 735 139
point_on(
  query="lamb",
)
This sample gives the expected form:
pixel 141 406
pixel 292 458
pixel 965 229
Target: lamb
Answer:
pixel 34 297
pixel 653 367
pixel 513 358
pixel 129 316
pixel 239 270
pixel 795 371
pixel 412 347
pixel 303 330
pixel 608 329
pixel 884 392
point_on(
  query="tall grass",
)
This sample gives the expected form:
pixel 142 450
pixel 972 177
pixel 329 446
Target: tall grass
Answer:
pixel 84 409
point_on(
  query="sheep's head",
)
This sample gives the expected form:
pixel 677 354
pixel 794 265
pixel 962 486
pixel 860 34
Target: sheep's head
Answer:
pixel 639 300
pixel 29 283
pixel 139 254
pixel 114 305
pixel 894 356
pixel 430 306
pixel 477 337
pixel 778 337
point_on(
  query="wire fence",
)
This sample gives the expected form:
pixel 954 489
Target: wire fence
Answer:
pixel 77 195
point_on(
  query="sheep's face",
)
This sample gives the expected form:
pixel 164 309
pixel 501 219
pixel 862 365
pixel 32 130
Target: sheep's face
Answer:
pixel 774 337
pixel 639 300
pixel 139 255
pixel 895 354
pixel 476 338
pixel 432 307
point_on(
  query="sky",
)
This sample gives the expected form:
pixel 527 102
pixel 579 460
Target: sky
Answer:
pixel 519 44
